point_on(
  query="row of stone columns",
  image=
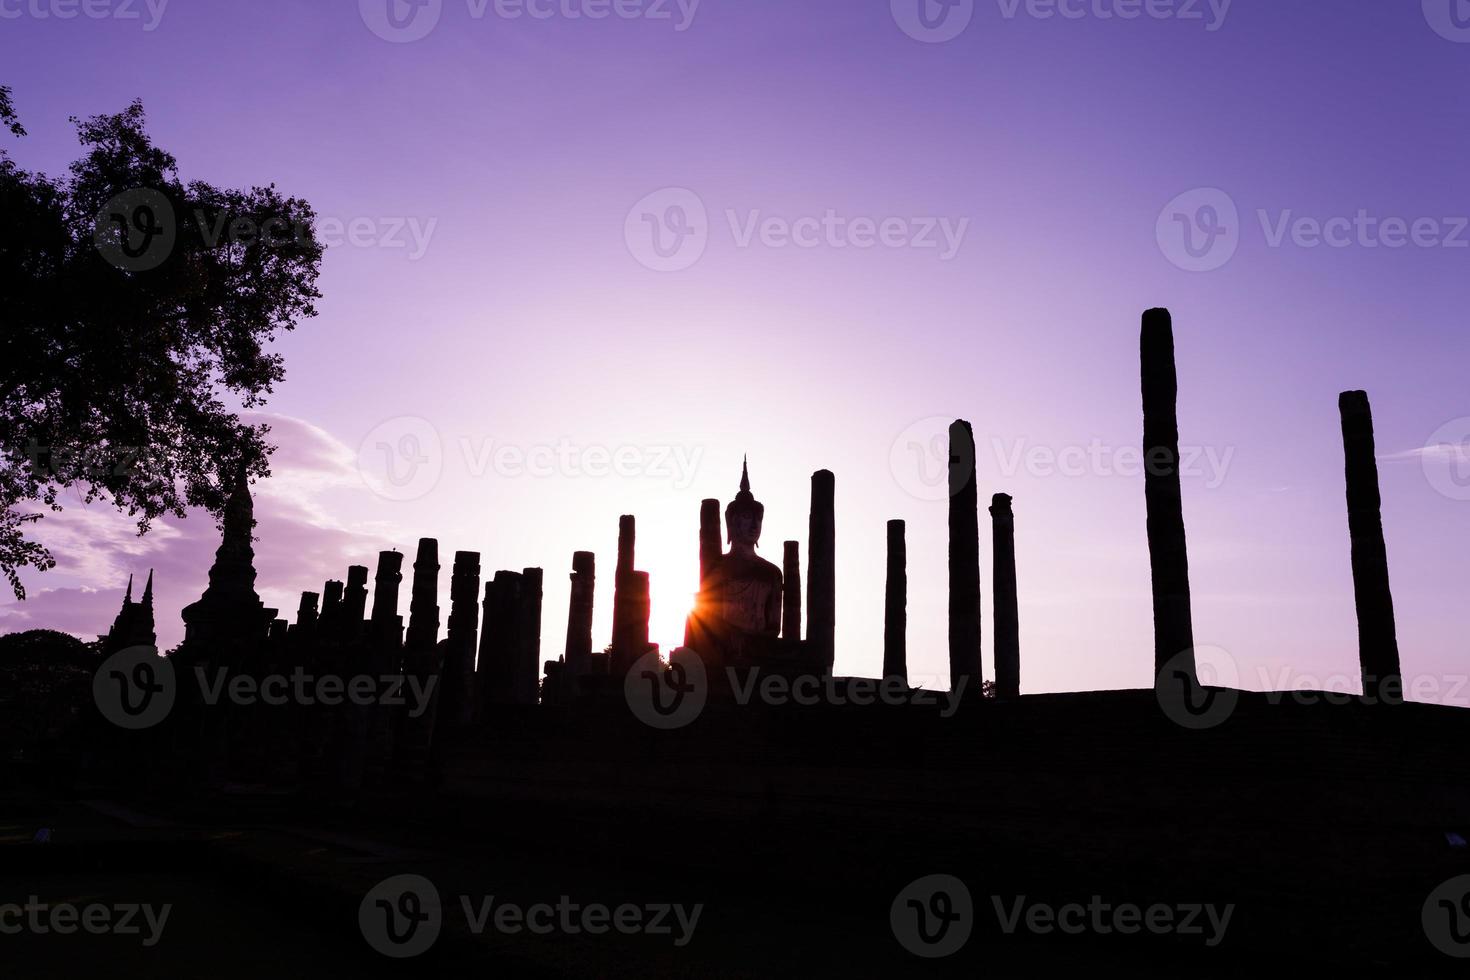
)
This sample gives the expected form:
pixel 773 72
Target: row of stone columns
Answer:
pixel 1378 652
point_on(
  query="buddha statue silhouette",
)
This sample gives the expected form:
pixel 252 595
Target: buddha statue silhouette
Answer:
pixel 738 615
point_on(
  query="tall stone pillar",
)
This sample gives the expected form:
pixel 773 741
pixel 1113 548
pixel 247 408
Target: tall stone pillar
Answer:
pixel 711 540
pixel 501 645
pixel 387 625
pixel 633 642
pixel 306 614
pixel 1378 647
pixel 579 617
pixel 423 608
pixel 1168 556
pixel 895 605
pixel 964 562
pixel 528 661
pixel 1007 615
pixel 457 684
pixel 331 616
pixel 791 591
pixel 354 602
pixel 627 543
pixel 821 584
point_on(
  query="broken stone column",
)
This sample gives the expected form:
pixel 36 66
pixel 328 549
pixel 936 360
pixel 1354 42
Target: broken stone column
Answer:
pixel 458 675
pixel 423 609
pixel 528 660
pixel 386 624
pixel 579 617
pixel 964 562
pixel 354 603
pixel 1168 556
pixel 821 585
pixel 711 539
pixel 306 615
pixel 501 645
pixel 791 591
pixel 331 615
pixel 1007 615
pixel 627 542
pixel 1378 648
pixel 895 605
pixel 633 642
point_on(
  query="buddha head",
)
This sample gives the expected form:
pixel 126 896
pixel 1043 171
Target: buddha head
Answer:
pixel 744 514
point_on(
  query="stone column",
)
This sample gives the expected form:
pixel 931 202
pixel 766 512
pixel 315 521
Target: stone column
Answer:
pixel 500 644
pixel 632 643
pixel 711 539
pixel 1168 556
pixel 579 617
pixel 306 613
pixel 622 611
pixel 331 615
pixel 964 562
pixel 895 605
pixel 821 585
pixel 1007 615
pixel 423 607
pixel 1378 647
pixel 528 662
pixel 791 591
pixel 386 623
pixel 458 676
pixel 354 602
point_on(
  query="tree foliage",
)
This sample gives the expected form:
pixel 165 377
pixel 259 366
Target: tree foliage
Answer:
pixel 137 312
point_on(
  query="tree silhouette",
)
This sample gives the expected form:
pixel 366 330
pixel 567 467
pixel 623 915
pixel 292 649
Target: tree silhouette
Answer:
pixel 135 304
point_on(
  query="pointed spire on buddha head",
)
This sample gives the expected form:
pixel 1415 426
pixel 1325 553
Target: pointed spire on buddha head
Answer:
pixel 744 514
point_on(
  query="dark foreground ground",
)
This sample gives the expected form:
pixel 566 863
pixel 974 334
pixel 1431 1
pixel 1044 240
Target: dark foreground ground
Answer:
pixel 1325 828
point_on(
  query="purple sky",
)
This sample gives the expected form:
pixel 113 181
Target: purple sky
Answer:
pixel 493 185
